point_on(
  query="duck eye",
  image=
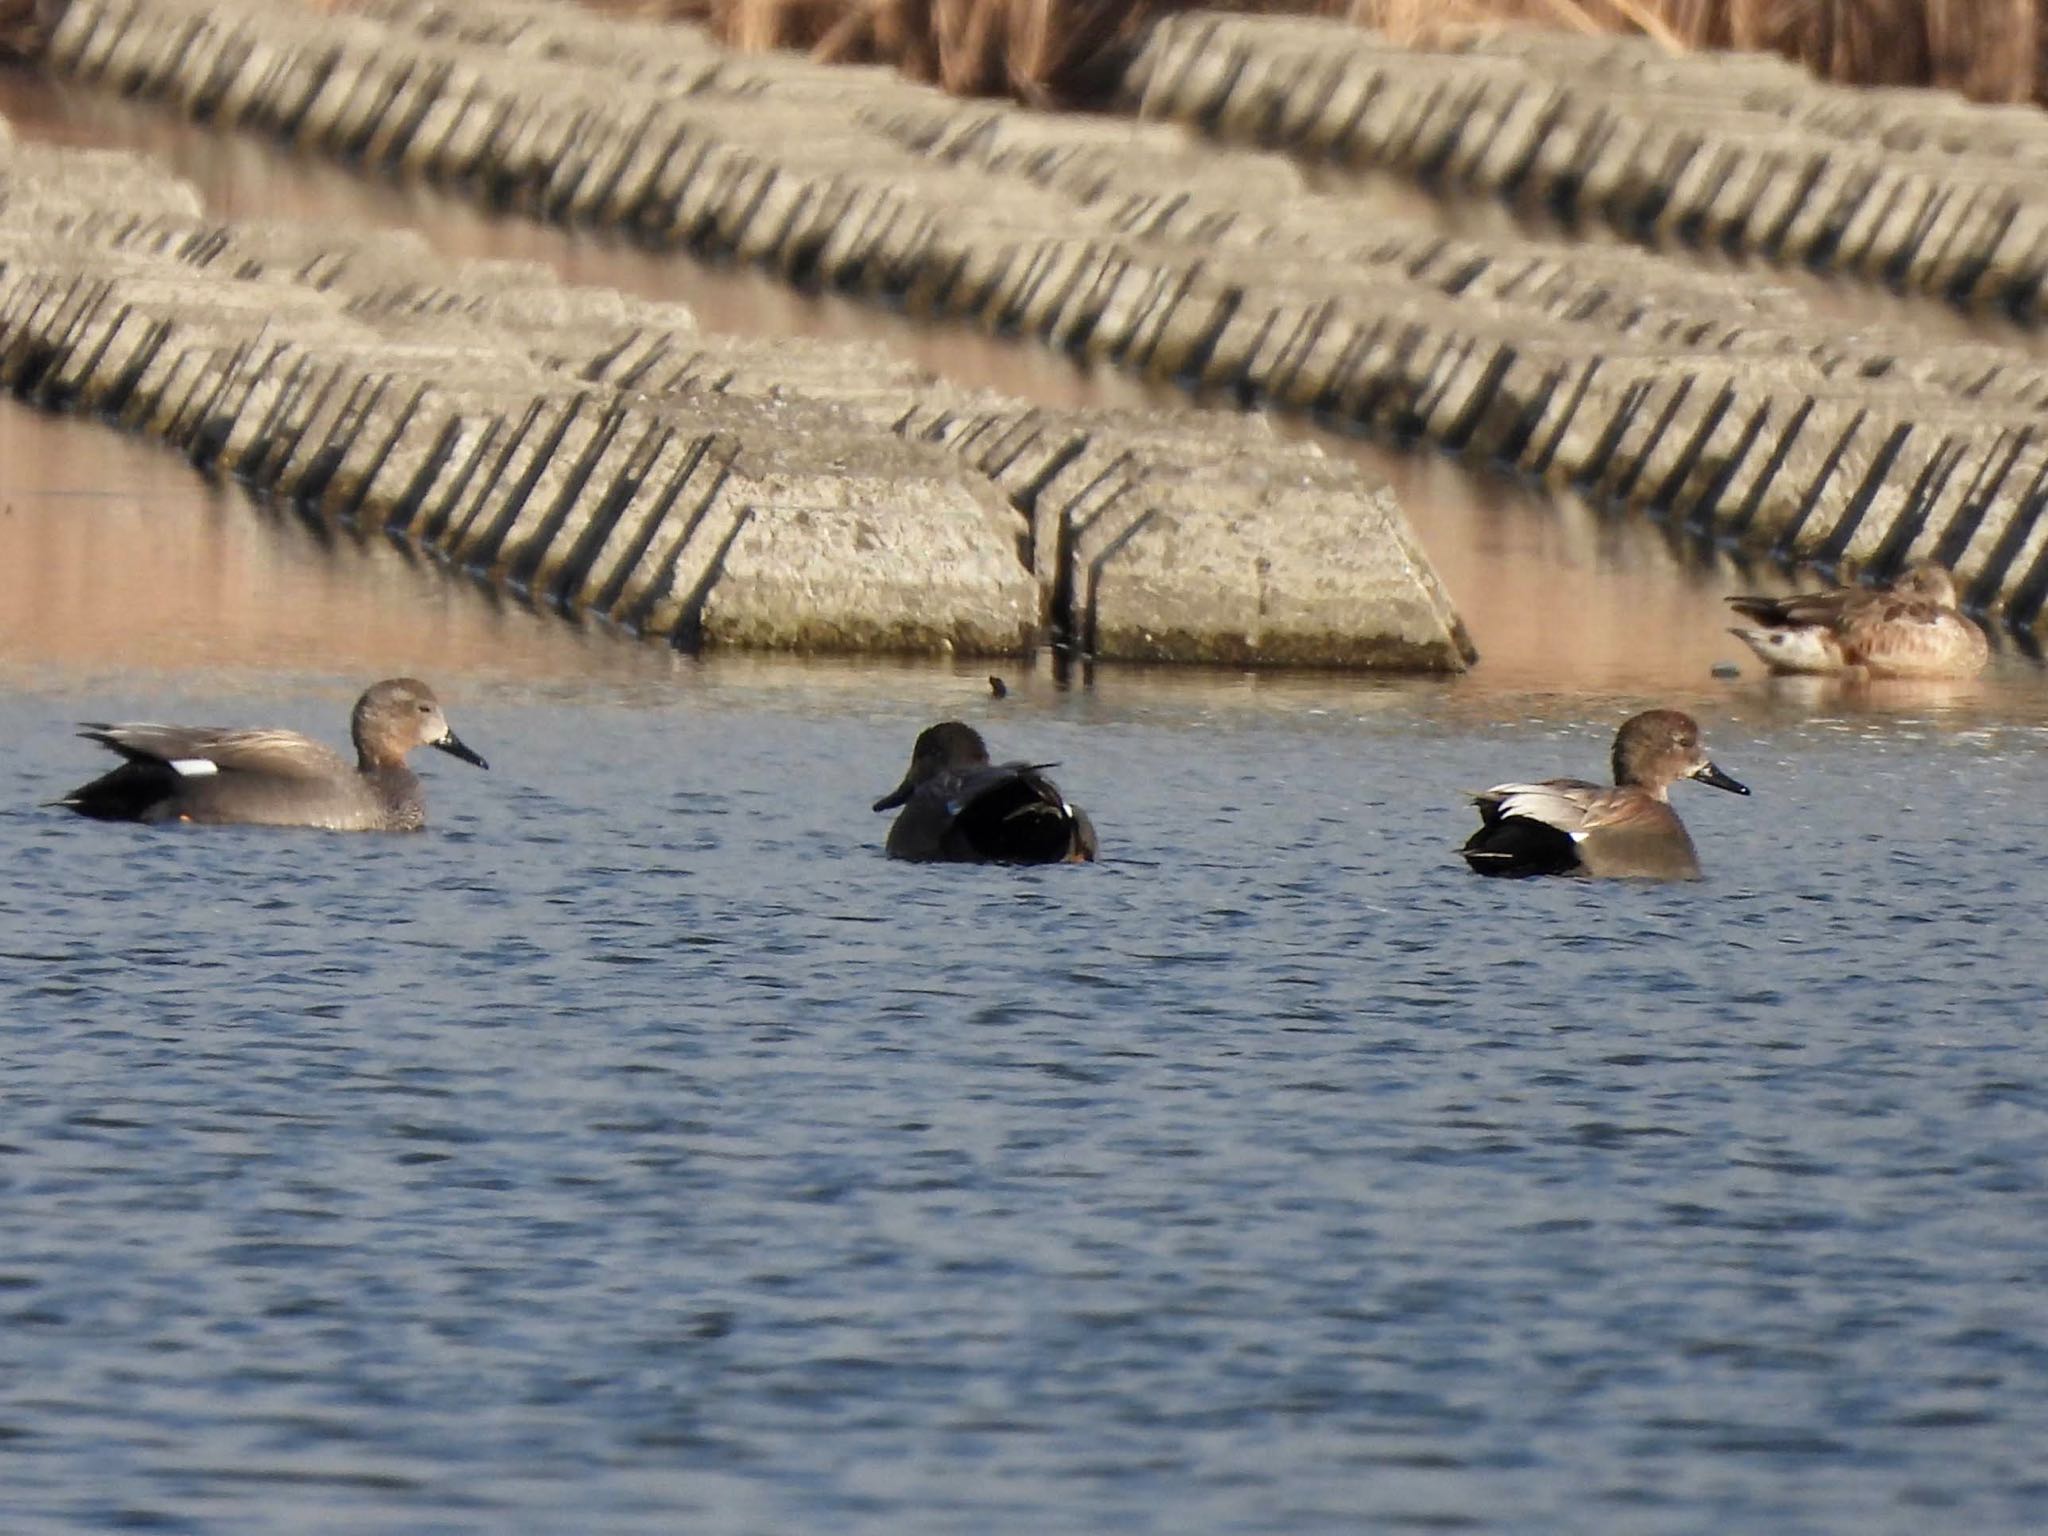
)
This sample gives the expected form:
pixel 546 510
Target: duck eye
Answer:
pixel 426 709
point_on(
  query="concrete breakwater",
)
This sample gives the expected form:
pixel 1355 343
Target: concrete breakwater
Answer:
pixel 1917 189
pixel 605 455
pixel 1718 401
pixel 601 453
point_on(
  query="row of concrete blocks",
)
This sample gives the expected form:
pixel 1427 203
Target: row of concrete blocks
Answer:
pixel 1100 264
pixel 1915 189
pixel 1282 262
pixel 1717 443
pixel 601 454
pixel 1091 234
pixel 680 523
pixel 1215 267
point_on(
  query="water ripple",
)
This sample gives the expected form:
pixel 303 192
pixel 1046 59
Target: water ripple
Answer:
pixel 646 1153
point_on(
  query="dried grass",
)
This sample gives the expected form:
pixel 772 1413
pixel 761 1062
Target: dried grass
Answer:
pixel 1071 51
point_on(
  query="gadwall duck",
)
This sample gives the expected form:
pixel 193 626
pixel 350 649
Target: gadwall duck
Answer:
pixel 959 806
pixel 1913 628
pixel 275 778
pixel 1570 827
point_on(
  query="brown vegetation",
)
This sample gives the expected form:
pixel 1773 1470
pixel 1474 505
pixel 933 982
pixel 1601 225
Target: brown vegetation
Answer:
pixel 21 29
pixel 1072 51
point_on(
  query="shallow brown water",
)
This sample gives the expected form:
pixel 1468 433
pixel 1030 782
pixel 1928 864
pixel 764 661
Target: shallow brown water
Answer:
pixel 116 559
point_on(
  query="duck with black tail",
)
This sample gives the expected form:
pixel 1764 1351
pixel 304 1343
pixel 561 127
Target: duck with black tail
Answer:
pixel 956 806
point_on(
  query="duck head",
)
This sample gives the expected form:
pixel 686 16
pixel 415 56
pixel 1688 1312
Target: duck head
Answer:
pixel 397 715
pixel 947 745
pixel 1653 749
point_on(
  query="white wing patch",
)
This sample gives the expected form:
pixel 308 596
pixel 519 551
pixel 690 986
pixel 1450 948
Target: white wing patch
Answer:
pixel 1562 805
pixel 194 767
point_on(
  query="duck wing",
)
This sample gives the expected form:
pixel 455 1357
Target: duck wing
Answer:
pixel 1821 610
pixel 1013 813
pixel 1802 633
pixel 186 748
pixel 1572 806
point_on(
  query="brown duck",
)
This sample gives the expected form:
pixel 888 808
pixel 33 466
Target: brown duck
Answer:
pixel 273 778
pixel 1571 827
pixel 1913 628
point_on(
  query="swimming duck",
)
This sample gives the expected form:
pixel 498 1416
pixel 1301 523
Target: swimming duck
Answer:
pixel 1913 628
pixel 275 778
pixel 1571 827
pixel 959 806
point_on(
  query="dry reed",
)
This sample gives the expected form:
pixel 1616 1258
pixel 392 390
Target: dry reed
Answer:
pixel 1072 51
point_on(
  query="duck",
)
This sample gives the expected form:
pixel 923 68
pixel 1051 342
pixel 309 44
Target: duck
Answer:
pixel 1914 628
pixel 957 806
pixel 1572 827
pixel 217 776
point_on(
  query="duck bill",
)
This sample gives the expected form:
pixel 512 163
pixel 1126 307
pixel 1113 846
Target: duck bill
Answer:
pixel 452 745
pixel 1707 773
pixel 896 796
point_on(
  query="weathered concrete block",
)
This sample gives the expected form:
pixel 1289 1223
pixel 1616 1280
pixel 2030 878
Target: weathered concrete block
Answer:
pixel 534 509
pixel 673 478
pixel 657 575
pixel 502 483
pixel 929 574
pixel 1197 578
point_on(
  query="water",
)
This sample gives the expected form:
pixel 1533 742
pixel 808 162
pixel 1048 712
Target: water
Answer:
pixel 638 1151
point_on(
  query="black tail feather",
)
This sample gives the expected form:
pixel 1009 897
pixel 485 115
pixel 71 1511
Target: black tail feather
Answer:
pixel 127 793
pixel 1515 846
pixel 1764 610
pixel 1020 820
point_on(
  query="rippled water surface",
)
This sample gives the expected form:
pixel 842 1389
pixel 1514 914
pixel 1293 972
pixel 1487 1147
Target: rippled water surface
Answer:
pixel 637 1150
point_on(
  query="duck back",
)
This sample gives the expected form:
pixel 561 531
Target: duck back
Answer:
pixel 1008 813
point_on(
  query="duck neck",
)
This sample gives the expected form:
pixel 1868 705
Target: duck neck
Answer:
pixel 1656 789
pixel 396 786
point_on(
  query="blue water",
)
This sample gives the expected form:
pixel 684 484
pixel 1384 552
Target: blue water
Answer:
pixel 638 1151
